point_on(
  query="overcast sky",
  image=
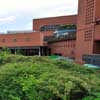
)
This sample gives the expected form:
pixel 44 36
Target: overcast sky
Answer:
pixel 18 14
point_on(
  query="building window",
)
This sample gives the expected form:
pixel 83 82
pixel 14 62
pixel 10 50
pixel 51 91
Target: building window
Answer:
pixel 89 15
pixel 58 27
pixel 49 27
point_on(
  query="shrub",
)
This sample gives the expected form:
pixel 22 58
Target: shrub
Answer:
pixel 3 54
pixel 39 78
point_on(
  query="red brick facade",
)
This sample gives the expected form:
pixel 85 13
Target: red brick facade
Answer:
pixel 47 33
pixel 88 32
pixel 65 48
pixel 87 37
pixel 62 20
pixel 21 39
pixel 35 37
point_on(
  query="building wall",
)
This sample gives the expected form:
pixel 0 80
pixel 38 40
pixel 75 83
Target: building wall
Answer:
pixel 38 23
pixel 35 38
pixel 65 48
pixel 87 39
pixel 85 29
pixel 97 16
pixel 47 33
pixel 21 39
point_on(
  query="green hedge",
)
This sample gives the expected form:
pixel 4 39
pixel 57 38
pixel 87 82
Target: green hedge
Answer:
pixel 40 78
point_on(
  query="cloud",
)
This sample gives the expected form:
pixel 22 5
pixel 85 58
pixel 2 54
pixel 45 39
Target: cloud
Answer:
pixel 19 13
pixel 29 6
pixel 7 19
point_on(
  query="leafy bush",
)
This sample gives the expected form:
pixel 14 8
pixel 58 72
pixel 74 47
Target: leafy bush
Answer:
pixel 3 54
pixel 39 78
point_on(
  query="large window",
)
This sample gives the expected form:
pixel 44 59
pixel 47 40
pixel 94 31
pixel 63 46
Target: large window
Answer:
pixel 49 27
pixel 57 27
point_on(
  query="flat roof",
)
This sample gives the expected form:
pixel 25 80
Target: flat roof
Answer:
pixel 54 17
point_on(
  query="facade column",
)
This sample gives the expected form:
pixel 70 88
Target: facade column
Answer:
pixel 39 51
pixel 15 51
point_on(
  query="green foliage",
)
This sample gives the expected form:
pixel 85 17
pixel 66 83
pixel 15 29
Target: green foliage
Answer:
pixel 72 26
pixel 20 52
pixel 3 54
pixel 93 96
pixel 40 78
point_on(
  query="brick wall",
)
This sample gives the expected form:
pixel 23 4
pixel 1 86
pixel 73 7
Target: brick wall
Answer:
pixel 21 39
pixel 37 23
pixel 65 48
pixel 85 29
pixel 47 33
pixel 97 16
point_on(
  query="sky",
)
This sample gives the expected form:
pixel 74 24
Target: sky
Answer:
pixel 17 15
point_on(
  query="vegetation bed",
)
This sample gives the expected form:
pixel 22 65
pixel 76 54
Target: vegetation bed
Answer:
pixel 41 78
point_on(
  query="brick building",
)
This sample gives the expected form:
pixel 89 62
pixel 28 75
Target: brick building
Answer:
pixel 64 47
pixel 88 30
pixel 32 43
pixel 50 24
pixel 60 36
